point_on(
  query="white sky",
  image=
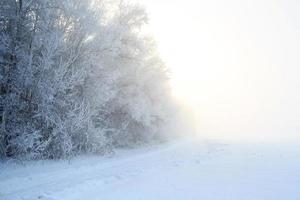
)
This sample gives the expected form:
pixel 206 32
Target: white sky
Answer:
pixel 235 63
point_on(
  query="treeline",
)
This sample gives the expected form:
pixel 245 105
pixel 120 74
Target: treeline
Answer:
pixel 77 76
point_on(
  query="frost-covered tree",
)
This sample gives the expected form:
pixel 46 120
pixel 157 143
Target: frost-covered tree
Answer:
pixel 142 99
pixel 16 30
pixel 76 77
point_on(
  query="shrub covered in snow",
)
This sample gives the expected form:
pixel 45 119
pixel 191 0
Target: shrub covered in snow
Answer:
pixel 76 77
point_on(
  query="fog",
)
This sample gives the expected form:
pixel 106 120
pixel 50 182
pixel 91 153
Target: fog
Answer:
pixel 234 64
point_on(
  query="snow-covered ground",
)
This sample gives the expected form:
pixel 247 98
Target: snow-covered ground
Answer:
pixel 187 169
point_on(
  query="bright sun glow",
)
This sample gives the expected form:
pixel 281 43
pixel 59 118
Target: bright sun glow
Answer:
pixel 233 63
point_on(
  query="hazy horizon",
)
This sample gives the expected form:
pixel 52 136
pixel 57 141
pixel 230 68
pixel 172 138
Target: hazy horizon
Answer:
pixel 233 63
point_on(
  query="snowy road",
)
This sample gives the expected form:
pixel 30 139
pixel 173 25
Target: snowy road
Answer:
pixel 182 170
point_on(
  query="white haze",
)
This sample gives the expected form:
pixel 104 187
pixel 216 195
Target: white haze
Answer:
pixel 235 64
